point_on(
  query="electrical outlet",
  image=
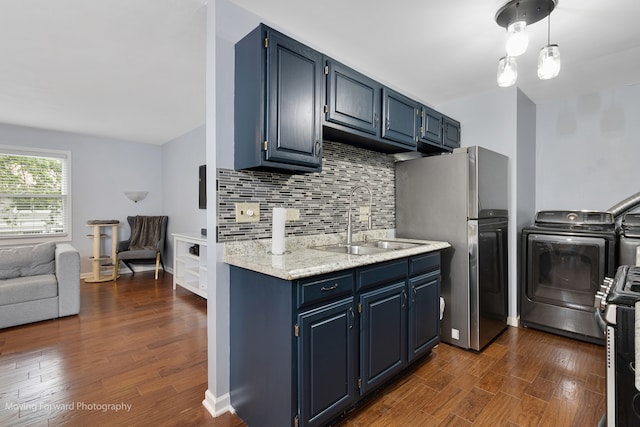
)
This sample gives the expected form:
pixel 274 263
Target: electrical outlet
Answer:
pixel 247 212
pixel 292 214
pixel 455 334
pixel 364 214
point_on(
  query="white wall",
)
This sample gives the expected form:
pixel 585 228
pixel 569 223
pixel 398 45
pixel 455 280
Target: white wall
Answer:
pixel 588 150
pixel 526 160
pixel 181 158
pixel 101 170
pixel 226 24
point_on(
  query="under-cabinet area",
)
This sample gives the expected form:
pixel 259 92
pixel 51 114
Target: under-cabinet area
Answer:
pixel 190 262
pixel 303 351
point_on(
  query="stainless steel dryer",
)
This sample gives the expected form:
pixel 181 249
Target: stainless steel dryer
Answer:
pixel 565 257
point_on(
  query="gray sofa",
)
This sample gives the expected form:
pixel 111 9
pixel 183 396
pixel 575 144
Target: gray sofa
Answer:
pixel 38 282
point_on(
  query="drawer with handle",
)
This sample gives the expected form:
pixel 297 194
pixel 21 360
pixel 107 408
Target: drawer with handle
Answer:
pixel 322 288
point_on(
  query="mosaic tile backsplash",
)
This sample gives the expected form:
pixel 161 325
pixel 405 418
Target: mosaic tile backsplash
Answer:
pixel 322 198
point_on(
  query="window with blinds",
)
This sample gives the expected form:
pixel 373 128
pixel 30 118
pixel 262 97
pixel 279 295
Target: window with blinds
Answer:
pixel 34 193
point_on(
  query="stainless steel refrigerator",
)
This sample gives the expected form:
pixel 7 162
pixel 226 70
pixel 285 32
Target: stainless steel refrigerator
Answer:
pixel 462 198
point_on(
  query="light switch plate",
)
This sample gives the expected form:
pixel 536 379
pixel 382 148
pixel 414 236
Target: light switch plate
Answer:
pixel 247 212
pixel 292 214
pixel 364 214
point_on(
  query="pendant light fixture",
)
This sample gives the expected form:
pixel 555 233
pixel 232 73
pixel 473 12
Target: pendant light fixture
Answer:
pixel 549 58
pixel 516 16
pixel 507 71
pixel 517 38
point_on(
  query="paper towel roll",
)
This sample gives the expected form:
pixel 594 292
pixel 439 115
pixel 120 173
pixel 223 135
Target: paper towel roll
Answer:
pixel 637 255
pixel 277 231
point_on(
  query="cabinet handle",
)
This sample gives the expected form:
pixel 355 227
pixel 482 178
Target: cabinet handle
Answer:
pixel 353 317
pixel 375 120
pixel 404 299
pixel 387 123
pixel 415 294
pixel 330 288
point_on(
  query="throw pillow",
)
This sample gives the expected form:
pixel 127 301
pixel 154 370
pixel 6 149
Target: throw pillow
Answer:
pixel 42 260
pixel 11 262
pixel 27 260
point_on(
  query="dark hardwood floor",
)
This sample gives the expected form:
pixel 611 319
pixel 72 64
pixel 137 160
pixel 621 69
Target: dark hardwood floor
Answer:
pixel 524 378
pixel 137 342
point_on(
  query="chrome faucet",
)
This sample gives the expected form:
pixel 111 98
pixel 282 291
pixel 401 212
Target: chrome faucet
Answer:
pixel 366 187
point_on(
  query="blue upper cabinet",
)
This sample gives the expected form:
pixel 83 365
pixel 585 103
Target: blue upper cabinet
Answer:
pixel 437 133
pixel 400 118
pixel 450 132
pixel 352 99
pixel 278 103
pixel 358 110
pixel 288 97
pixel 430 129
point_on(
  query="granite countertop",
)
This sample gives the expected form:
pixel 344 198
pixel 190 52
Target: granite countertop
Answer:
pixel 301 260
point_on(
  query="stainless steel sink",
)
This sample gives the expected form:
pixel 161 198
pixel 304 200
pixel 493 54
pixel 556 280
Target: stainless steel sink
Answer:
pixel 352 249
pixel 368 248
pixel 391 244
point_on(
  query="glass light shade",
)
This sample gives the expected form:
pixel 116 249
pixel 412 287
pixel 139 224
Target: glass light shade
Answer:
pixel 549 62
pixel 517 38
pixel 507 71
pixel 136 196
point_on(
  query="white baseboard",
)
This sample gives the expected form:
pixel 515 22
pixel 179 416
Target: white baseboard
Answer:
pixel 124 270
pixel 217 405
pixel 513 321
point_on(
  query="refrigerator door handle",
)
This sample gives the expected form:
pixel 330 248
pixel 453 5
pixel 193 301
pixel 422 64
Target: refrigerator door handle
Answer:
pixel 474 297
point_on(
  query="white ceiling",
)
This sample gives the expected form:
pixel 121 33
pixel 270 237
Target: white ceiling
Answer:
pixel 126 69
pixel 135 69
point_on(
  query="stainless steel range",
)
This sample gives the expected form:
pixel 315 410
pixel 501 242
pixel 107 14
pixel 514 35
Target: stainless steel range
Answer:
pixel 565 257
pixel 618 303
pixel 629 245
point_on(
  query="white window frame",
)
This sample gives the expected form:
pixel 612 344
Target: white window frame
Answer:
pixel 67 236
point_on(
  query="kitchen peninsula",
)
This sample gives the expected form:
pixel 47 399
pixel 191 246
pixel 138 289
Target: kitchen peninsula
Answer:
pixel 314 330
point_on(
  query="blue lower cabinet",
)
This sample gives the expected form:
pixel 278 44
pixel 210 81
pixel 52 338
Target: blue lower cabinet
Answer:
pixel 326 362
pixel 383 335
pixel 303 352
pixel 424 314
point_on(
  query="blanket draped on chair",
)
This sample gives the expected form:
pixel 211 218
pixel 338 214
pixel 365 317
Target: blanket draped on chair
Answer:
pixel 146 232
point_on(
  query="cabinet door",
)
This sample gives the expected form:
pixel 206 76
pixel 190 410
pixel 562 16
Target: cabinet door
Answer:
pixel 430 125
pixel 450 132
pixel 294 121
pixel 383 334
pixel 400 117
pixel 353 100
pixel 424 313
pixel 326 362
